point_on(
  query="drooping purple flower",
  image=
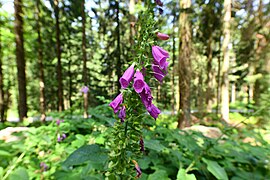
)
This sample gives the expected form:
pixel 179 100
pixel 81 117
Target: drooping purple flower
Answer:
pixel 158 73
pixel 162 36
pixel 158 2
pixel 58 122
pixel 160 56
pixel 142 144
pixel 127 77
pixel 59 138
pixel 122 114
pixel 146 96
pixel 115 104
pixel 165 66
pixel 84 89
pixel 138 169
pixel 64 136
pixel 153 111
pixel 139 83
pixel 158 76
pixel 43 166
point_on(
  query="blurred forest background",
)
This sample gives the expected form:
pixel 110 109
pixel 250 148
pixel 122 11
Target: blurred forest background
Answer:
pixel 51 49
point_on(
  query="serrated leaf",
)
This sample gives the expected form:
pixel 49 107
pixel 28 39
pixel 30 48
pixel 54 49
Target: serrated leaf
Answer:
pixel 216 169
pixel 182 175
pixel 86 153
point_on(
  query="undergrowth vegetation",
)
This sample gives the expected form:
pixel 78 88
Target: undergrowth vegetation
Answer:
pixel 170 153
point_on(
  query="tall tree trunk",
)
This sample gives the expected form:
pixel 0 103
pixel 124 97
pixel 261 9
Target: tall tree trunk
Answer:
pixel 200 97
pixel 85 79
pixel 70 83
pixel 259 67
pixel 118 62
pixel 59 65
pixel 41 68
pixel 218 75
pixel 132 20
pixel 2 119
pixel 173 63
pixel 233 93
pixel 226 61
pixel 184 64
pixel 22 105
pixel 210 76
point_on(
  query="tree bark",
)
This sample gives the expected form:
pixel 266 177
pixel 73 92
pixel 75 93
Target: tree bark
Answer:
pixel 173 63
pixel 59 65
pixel 259 87
pixel 118 62
pixel 41 67
pixel 233 93
pixel 22 104
pixel 184 64
pixel 210 76
pixel 218 76
pixel 226 61
pixel 2 119
pixel 85 79
pixel 132 20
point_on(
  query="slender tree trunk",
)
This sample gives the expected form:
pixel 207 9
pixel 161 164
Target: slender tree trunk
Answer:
pixel 22 105
pixel 184 64
pixel 200 97
pixel 59 65
pixel 173 63
pixel 85 79
pixel 218 76
pixel 132 20
pixel 118 63
pixel 70 83
pixel 233 93
pixel 259 67
pixel 41 68
pixel 2 119
pixel 226 61
pixel 210 76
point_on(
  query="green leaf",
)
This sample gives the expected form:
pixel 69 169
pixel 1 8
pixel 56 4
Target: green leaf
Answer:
pixel 84 154
pixel 5 154
pixel 159 174
pixel 182 175
pixel 20 174
pixel 154 145
pixel 216 169
pixel 144 163
pixel 80 140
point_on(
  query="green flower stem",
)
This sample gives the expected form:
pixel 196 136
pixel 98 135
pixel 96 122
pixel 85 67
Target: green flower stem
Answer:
pixel 126 136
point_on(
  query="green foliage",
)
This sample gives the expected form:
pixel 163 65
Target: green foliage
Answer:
pixel 19 173
pixel 86 153
pixel 182 175
pixel 215 169
pixel 170 153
